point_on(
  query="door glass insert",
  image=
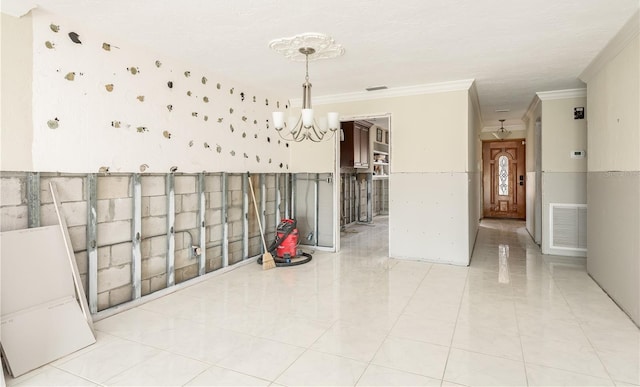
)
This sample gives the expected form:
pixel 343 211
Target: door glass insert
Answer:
pixel 503 175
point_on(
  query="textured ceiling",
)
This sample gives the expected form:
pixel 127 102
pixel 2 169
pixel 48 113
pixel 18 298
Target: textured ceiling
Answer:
pixel 511 48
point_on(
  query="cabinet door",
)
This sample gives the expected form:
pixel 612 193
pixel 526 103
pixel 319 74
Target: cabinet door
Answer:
pixel 364 147
pixel 357 144
pixel 347 146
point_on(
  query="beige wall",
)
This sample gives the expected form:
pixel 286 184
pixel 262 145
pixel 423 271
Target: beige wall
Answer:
pixel 561 135
pixel 474 168
pixel 613 179
pixel 16 121
pixel 431 155
pixel 614 119
pixel 428 133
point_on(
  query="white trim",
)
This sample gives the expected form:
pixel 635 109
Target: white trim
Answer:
pixel 531 109
pixel 613 48
pixel 405 91
pixel 561 94
pixel 475 101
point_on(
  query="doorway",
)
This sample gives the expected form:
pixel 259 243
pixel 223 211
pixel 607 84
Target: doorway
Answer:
pixel 363 165
pixel 503 179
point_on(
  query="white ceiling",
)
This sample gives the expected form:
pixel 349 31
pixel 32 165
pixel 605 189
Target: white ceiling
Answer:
pixel 511 48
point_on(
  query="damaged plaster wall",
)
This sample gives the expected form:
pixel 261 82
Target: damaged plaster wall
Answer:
pixel 84 103
pixel 103 104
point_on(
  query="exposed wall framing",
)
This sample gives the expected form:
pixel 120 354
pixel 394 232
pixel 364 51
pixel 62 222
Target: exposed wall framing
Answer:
pixel 135 234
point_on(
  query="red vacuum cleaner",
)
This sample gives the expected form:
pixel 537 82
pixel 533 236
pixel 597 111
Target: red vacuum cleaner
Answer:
pixel 285 247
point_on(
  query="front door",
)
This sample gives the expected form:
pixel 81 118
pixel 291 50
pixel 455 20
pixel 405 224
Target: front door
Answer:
pixel 503 179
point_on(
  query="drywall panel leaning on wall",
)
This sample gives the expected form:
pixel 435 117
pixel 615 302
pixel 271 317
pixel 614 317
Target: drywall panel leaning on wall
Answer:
pixel 41 318
pixel 44 313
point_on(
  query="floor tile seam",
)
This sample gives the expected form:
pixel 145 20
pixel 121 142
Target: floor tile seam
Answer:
pixel 455 327
pixel 581 325
pixel 129 367
pixel 121 338
pixel 568 370
pixel 228 369
pixel 386 337
pixel 399 370
pixel 25 381
pixel 207 363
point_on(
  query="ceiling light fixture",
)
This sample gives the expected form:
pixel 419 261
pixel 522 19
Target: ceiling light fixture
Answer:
pixel 306 47
pixel 501 133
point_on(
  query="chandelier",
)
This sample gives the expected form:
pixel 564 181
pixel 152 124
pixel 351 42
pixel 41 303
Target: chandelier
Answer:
pixel 501 133
pixel 305 127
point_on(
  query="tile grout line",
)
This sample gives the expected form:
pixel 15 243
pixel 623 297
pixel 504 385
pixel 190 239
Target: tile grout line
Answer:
pixel 580 324
pixel 455 326
pixel 394 324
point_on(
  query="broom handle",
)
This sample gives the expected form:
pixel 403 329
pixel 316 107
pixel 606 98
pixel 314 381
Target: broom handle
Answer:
pixel 255 206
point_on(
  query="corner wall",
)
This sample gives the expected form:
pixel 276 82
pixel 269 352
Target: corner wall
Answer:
pixel 613 179
pixel 563 178
pixel 533 122
pixel 429 184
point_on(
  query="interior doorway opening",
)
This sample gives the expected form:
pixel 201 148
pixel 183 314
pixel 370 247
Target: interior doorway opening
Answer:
pixel 364 167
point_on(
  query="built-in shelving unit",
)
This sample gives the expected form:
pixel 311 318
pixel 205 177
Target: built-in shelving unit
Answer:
pixel 380 154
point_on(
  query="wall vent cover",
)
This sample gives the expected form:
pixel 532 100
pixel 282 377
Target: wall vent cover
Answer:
pixel 568 226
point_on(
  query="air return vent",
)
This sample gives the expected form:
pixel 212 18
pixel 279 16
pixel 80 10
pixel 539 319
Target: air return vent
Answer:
pixel 568 226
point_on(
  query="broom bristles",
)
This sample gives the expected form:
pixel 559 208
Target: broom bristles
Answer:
pixel 267 261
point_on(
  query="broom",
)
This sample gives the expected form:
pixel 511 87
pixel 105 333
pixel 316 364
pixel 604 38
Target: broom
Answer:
pixel 267 259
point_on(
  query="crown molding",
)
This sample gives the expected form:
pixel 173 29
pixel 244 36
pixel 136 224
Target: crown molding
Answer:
pixel 561 94
pixel 628 32
pixel 531 109
pixel 431 88
pixel 475 102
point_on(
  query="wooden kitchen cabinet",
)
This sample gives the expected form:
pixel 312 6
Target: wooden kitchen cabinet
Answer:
pixel 354 149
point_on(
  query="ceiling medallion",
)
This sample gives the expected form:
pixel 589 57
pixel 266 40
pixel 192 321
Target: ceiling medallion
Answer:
pixel 323 45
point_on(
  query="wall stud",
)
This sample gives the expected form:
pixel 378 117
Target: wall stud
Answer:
pixel 245 216
pixel 33 199
pixel 92 237
pixel 136 237
pixel 225 220
pixel 202 206
pixel 171 236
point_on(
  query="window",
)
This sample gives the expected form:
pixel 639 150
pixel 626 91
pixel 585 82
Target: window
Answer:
pixel 503 175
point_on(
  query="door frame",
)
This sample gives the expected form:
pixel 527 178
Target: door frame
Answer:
pixel 524 160
pixel 336 173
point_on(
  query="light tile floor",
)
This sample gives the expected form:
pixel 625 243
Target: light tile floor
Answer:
pixel 514 317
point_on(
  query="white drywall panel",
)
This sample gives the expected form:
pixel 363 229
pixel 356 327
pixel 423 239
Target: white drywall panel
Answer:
pixel 429 217
pixel 41 318
pixel 37 336
pixel 35 269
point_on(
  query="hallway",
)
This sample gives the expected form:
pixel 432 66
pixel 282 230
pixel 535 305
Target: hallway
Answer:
pixel 514 317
